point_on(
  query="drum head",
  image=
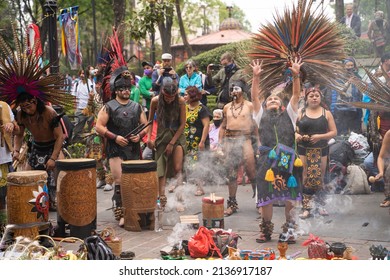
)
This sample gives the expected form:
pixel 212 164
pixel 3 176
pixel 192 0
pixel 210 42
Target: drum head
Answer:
pixel 26 177
pixel 75 163
pixel 138 166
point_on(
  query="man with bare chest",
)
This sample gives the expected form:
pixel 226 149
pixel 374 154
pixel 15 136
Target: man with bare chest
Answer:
pixel 235 137
pixel 47 138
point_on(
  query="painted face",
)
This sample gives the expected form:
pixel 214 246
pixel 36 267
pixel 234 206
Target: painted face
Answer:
pixel 29 106
pixel 169 98
pixel 235 92
pixel 123 93
pixel 273 102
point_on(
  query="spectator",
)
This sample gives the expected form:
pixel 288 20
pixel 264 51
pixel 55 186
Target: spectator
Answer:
pixel 229 72
pixel 191 78
pixel 384 168
pixel 145 86
pixel 163 72
pixel 352 20
pixel 135 93
pixel 377 33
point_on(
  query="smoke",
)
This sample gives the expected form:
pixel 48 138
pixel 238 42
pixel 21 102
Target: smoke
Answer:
pixel 179 233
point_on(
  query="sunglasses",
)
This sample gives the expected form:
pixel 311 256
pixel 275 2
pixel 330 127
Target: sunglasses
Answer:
pixel 188 67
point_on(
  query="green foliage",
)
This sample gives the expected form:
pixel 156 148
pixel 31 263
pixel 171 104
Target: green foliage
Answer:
pixel 213 56
pixel 356 47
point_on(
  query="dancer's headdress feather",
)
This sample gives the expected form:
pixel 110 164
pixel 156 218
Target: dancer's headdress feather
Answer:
pixel 116 68
pixel 21 72
pixel 378 92
pixel 301 32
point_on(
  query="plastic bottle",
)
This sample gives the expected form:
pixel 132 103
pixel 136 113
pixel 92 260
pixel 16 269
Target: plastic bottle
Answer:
pixel 158 212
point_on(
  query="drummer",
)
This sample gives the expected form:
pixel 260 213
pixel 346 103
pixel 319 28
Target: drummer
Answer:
pixel 116 121
pixel 47 138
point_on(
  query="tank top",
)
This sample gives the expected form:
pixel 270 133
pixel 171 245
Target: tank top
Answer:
pixel 310 126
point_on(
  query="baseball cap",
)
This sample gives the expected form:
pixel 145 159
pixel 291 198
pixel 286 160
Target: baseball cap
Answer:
pixel 146 63
pixel 166 56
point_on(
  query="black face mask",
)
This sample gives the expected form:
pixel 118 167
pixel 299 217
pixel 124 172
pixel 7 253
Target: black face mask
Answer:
pixel 217 123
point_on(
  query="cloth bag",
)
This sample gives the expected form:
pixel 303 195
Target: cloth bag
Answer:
pixel 316 247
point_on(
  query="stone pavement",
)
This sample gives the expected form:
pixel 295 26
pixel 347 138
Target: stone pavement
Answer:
pixel 356 220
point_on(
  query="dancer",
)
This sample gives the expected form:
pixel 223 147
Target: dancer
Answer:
pixel 170 141
pixel 235 141
pixel 315 126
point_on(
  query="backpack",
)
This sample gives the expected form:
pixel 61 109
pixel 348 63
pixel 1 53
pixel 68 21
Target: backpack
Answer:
pixel 98 249
pixel 202 245
pixel 342 152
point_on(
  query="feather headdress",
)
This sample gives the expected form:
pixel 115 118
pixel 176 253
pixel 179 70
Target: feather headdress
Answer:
pixel 304 33
pixel 20 72
pixel 377 91
pixel 116 67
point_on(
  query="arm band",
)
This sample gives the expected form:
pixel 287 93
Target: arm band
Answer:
pixel 109 135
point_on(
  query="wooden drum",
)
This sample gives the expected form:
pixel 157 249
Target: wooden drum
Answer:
pixel 213 212
pixel 76 191
pixel 139 191
pixel 27 202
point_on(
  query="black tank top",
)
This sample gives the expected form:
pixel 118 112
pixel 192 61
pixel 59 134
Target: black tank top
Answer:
pixel 310 126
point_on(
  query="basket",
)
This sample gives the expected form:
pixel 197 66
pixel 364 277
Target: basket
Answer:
pixel 113 241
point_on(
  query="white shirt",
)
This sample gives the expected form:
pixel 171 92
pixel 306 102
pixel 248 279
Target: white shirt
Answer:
pixel 5 154
pixel 82 93
pixel 348 21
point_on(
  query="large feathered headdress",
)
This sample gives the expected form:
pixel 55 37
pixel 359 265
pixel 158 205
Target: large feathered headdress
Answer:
pixel 377 91
pixel 21 72
pixel 301 32
pixel 115 69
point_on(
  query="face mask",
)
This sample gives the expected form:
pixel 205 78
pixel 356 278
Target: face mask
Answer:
pixel 217 123
pixel 148 72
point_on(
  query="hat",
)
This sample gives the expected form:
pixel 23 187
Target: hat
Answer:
pixel 144 63
pixel 237 83
pixel 166 56
pixel 217 114
pixel 169 86
pixel 120 78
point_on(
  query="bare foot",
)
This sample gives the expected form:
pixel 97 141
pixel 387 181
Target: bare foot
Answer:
pixel 180 207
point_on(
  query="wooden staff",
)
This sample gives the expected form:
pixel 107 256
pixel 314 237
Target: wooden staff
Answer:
pixel 138 129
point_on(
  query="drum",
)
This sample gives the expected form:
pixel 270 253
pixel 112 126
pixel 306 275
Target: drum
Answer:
pixel 76 193
pixel 139 191
pixel 27 202
pixel 213 212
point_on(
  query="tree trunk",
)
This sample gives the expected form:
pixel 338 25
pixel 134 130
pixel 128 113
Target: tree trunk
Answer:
pixel 187 46
pixel 356 4
pixel 388 11
pixel 119 7
pixel 339 9
pixel 165 28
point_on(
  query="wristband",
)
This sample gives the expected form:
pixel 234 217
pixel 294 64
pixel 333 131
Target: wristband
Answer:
pixel 52 159
pixel 17 151
pixel 109 135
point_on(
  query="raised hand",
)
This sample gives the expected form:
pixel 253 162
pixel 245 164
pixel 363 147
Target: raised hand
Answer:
pixel 256 67
pixel 296 66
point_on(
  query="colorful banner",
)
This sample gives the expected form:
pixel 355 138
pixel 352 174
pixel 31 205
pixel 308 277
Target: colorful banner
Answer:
pixel 70 43
pixel 34 41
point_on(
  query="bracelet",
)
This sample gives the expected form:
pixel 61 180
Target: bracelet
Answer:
pixel 170 144
pixel 52 159
pixel 296 76
pixel 112 136
pixel 17 151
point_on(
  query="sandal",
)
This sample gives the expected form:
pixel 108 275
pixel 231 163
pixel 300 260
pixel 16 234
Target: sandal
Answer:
pixel 171 189
pixel 263 238
pixel 385 203
pixel 163 200
pixel 232 207
pixel 306 214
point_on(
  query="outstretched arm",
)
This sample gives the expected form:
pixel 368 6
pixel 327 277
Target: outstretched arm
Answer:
pixel 295 69
pixel 256 92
